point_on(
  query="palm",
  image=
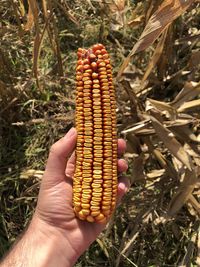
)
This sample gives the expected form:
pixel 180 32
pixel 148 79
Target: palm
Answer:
pixel 55 207
pixel 55 198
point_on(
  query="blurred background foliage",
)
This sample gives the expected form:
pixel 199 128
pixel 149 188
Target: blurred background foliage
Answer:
pixel 154 46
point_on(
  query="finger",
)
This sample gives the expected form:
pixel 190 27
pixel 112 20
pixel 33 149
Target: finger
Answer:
pixel 123 187
pixel 59 152
pixel 69 172
pixel 122 165
pixel 121 146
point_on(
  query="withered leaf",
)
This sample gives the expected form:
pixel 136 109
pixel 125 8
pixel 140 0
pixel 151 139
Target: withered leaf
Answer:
pixel 162 107
pixel 156 56
pixel 189 91
pixel 162 18
pixel 189 105
pixel 172 143
pixel 30 19
pixel 183 193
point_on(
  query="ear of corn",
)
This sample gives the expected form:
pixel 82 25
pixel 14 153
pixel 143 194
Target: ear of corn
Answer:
pixel 95 179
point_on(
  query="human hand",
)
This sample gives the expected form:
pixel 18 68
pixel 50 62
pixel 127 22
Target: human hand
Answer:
pixel 54 206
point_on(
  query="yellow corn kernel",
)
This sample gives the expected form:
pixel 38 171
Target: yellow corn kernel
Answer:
pixel 95 179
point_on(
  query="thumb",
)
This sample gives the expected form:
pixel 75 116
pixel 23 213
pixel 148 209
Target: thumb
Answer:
pixel 58 156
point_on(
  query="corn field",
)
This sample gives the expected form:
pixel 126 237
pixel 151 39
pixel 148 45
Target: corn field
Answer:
pixel 155 53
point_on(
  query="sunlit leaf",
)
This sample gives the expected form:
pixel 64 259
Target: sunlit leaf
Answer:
pixel 162 18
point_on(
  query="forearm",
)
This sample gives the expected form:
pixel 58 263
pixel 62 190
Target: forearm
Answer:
pixel 36 248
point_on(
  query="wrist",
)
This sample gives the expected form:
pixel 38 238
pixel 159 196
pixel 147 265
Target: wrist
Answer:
pixel 53 248
pixel 41 245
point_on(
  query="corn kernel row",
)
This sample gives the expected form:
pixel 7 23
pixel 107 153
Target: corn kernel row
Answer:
pixel 95 179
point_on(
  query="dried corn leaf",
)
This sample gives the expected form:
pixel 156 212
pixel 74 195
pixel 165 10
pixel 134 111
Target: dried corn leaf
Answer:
pixel 137 15
pixel 189 105
pixel 34 11
pixel 132 97
pixel 36 52
pixel 137 169
pixel 117 10
pixel 155 173
pixel 31 173
pixel 162 18
pixel 44 5
pixel 189 91
pixel 37 40
pixel 179 167
pixel 156 56
pixel 195 204
pixel 166 164
pixel 193 151
pixel 142 126
pixel 184 133
pixel 116 6
pixel 183 193
pixel 103 247
pixel 195 58
pixel 162 107
pixel 30 18
pixel 171 143
pixel 137 21
pixel 22 8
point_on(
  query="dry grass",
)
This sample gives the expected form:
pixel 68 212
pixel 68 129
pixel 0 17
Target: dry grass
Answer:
pixel 157 83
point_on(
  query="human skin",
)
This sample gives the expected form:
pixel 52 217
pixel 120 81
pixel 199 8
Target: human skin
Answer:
pixel 55 237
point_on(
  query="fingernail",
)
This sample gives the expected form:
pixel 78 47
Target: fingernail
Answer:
pixel 121 188
pixel 70 133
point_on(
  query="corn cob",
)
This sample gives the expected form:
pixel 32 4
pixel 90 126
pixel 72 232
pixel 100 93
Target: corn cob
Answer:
pixel 95 179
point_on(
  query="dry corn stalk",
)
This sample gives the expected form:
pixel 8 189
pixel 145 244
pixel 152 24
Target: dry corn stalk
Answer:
pixel 95 179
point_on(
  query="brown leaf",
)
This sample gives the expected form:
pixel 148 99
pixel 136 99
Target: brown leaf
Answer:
pixel 117 6
pixel 53 34
pixel 183 193
pixel 165 163
pixel 142 127
pixel 30 19
pixel 34 10
pixel 171 143
pixel 36 53
pixel 189 91
pixel 162 18
pixel 137 168
pixel 137 21
pixel 184 133
pixel 22 8
pixel 133 99
pixel 162 107
pixel 189 105
pixel 156 55
pixel 155 173
pixel 194 59
pixel 195 204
